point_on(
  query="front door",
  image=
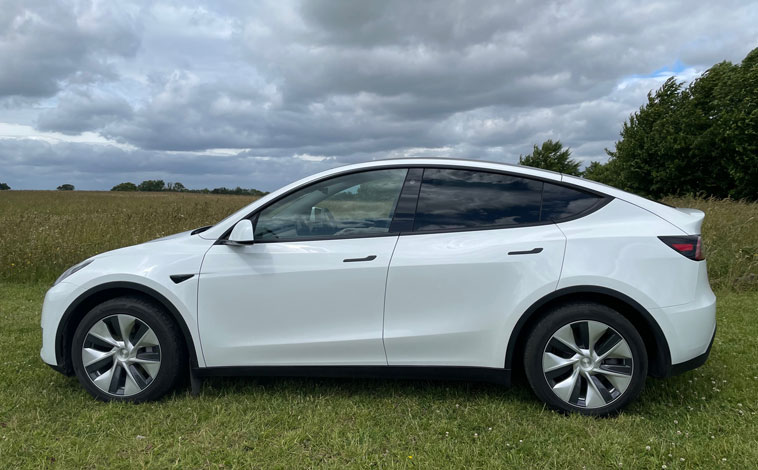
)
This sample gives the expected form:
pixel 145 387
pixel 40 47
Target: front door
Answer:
pixel 310 290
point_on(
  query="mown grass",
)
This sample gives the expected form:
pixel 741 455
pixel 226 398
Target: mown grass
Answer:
pixel 702 419
pixel 45 232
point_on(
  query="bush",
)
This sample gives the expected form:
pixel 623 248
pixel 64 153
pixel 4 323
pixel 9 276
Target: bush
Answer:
pixel 152 185
pixel 125 187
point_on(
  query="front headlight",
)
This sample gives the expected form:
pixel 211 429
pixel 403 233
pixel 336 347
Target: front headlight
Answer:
pixel 72 270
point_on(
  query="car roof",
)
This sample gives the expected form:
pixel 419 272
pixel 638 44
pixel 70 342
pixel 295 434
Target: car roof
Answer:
pixel 449 162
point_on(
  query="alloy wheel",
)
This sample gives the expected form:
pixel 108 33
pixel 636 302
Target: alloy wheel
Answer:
pixel 587 364
pixel 121 355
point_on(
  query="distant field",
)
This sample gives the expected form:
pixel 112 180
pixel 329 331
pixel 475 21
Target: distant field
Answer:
pixel 45 232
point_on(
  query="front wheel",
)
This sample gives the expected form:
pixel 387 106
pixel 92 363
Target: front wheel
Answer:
pixel 127 349
pixel 585 358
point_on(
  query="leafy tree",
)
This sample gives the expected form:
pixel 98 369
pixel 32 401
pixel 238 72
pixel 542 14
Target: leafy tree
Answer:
pixel 152 185
pixel 551 156
pixel 175 187
pixel 699 139
pixel 4 187
pixel 237 191
pixel 602 173
pixel 66 187
pixel 125 187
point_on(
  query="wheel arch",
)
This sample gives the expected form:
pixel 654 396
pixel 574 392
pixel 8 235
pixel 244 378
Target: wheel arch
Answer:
pixel 101 293
pixel 659 356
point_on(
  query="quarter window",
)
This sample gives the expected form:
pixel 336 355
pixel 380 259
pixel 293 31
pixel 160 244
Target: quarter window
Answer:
pixel 460 199
pixel 560 202
pixel 350 205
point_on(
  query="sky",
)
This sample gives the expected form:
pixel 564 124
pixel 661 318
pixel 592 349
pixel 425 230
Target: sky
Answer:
pixel 259 94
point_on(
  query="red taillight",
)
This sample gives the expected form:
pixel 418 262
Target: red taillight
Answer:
pixel 699 254
pixel 682 247
pixel 690 246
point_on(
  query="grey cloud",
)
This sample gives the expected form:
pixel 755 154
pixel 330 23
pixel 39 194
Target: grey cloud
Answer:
pixel 35 164
pixel 81 110
pixel 44 43
pixel 347 80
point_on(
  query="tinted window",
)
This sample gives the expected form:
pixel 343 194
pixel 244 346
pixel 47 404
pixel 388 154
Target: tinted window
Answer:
pixel 560 202
pixel 454 199
pixel 349 205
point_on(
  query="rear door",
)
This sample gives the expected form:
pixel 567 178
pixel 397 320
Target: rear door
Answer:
pixel 478 255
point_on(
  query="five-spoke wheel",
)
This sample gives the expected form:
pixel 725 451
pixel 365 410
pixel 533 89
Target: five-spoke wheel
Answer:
pixel 121 355
pixel 587 364
pixel 586 358
pixel 128 349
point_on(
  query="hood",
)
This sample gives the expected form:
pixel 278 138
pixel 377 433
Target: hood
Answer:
pixel 171 237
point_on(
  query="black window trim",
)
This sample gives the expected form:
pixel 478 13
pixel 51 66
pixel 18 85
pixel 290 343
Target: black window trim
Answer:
pixel 603 199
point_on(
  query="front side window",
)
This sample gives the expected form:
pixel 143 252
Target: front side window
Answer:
pixel 350 205
pixel 461 199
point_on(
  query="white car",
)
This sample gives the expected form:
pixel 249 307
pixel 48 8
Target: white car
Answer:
pixel 413 268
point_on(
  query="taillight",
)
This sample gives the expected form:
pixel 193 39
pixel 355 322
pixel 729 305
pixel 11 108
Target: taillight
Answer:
pixel 690 246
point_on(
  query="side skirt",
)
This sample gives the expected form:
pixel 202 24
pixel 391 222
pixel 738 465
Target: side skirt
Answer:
pixel 474 374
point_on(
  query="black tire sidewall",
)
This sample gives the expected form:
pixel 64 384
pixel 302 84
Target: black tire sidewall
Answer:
pixel 162 326
pixel 574 312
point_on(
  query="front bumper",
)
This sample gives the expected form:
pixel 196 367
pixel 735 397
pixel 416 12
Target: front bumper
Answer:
pixel 56 301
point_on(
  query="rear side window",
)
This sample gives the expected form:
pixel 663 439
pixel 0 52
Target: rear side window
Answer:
pixel 460 199
pixel 560 202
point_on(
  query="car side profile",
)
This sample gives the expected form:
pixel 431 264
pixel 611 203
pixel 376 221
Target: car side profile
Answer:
pixel 412 268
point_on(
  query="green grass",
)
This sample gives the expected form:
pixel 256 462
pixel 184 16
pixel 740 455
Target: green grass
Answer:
pixel 48 421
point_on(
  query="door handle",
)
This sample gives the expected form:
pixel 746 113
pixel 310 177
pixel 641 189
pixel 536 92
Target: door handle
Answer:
pixel 358 260
pixel 533 251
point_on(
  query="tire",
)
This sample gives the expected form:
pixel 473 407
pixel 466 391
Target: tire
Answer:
pixel 585 358
pixel 142 369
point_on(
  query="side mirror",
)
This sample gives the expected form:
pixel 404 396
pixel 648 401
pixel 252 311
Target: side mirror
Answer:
pixel 242 233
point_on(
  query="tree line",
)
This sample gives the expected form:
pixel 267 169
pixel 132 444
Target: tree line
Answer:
pixel 162 186
pixel 700 139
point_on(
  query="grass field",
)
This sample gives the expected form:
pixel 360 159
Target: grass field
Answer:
pixel 45 232
pixel 695 420
pixel 702 419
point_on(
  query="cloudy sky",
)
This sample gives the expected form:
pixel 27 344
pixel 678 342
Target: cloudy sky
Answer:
pixel 257 94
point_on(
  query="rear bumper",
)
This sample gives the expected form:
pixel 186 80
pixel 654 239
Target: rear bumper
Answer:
pixel 693 363
pixel 689 328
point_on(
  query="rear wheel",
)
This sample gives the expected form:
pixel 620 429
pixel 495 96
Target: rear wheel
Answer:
pixel 585 358
pixel 127 349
